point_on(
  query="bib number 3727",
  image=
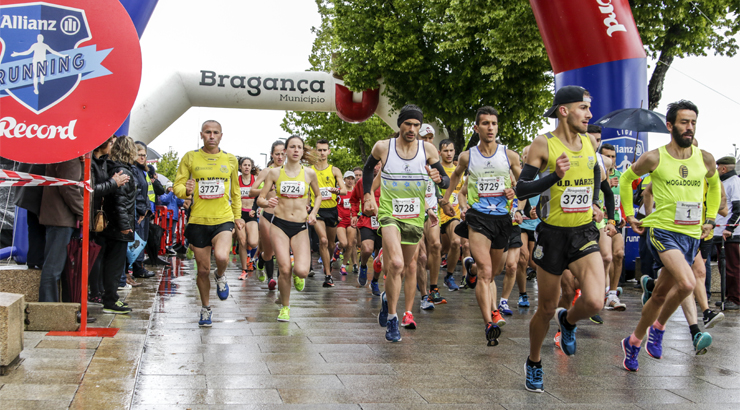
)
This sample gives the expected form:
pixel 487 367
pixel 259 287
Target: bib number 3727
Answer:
pixel 406 208
pixel 211 189
pixel 576 199
pixel 688 213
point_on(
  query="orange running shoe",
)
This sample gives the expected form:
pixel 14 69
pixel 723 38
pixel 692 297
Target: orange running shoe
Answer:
pixel 497 319
pixel 378 262
pixel 244 274
pixel 578 295
pixel 408 321
pixel 557 339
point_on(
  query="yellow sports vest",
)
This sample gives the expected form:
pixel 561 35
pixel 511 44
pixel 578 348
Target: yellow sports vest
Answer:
pixel 443 218
pixel 150 189
pixel 568 203
pixel 326 180
pixel 294 188
pixel 678 193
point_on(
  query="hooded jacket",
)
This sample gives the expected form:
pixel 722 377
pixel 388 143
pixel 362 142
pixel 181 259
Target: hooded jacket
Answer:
pixel 120 205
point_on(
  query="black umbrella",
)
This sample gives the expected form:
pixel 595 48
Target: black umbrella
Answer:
pixel 634 119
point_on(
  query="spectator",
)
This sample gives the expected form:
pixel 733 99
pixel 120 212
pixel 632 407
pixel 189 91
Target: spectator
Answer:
pixel 727 228
pixel 144 198
pixel 29 198
pixel 173 203
pixel 61 211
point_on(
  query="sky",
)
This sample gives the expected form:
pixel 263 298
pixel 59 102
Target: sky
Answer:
pixel 275 37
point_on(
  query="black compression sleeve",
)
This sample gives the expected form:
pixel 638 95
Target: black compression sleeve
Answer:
pixel 608 199
pixel 254 205
pixel 367 174
pixel 527 187
pixel 445 182
pixel 597 183
pixel 734 217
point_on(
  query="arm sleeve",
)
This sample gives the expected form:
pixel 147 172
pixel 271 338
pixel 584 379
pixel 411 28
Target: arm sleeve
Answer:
pixel 254 205
pixel 714 195
pixel 625 191
pixel 367 174
pixel 734 217
pixel 183 174
pixel 608 199
pixel 527 187
pixel 597 186
pixel 445 182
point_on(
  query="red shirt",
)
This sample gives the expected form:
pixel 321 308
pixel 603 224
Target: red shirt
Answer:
pixel 356 201
pixel 343 206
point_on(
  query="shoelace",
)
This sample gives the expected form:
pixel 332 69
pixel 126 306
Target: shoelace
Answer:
pixel 568 336
pixel 656 336
pixel 534 375
pixel 204 314
pixel 632 351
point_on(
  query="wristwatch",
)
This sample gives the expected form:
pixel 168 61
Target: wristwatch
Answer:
pixel 612 222
pixel 711 222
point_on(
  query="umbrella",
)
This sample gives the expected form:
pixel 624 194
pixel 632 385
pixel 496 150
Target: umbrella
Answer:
pixel 634 119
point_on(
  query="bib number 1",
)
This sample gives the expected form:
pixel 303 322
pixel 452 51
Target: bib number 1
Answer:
pixel 688 213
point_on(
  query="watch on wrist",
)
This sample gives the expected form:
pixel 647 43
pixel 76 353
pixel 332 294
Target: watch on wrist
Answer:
pixel 711 222
pixel 612 222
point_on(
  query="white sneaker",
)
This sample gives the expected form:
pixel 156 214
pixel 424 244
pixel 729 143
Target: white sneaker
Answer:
pixel 612 302
pixel 125 287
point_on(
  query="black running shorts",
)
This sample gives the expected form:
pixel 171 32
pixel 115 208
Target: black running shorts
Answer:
pixel 557 247
pixel 201 236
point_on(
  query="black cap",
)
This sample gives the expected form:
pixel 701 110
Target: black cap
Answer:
pixel 566 95
pixel 728 160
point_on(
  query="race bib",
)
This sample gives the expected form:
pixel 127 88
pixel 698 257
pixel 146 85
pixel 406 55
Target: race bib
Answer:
pixel 374 222
pixel 211 189
pixel 576 199
pixel 491 186
pixel 453 198
pixel 430 189
pixel 292 189
pixel 245 192
pixel 406 208
pixel 346 203
pixel 617 203
pixel 688 213
pixel 325 194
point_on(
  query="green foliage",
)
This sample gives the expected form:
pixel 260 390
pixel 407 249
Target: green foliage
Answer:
pixel 167 165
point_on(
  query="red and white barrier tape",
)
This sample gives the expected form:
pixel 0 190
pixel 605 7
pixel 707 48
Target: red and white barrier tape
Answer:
pixel 13 178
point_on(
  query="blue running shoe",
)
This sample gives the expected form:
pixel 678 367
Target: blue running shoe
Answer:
pixel 567 337
pixel 375 288
pixel 523 301
pixel 470 280
pixel 630 355
pixel 702 341
pixel 450 283
pixel 654 345
pixel 205 317
pixel 383 315
pixel 222 288
pixel 644 280
pixel 503 307
pixel 391 330
pixel 426 304
pixel 533 381
pixel 362 277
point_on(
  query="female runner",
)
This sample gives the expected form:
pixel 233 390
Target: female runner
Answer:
pixel 291 218
pixel 264 258
pixel 249 235
pixel 346 233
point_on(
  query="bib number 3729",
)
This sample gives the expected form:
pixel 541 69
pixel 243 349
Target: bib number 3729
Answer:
pixel 688 213
pixel 576 199
pixel 491 186
pixel 211 189
pixel 406 208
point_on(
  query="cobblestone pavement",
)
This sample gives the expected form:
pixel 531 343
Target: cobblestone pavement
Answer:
pixel 333 355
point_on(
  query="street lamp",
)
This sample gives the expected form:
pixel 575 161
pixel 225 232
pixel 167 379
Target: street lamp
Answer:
pixel 265 158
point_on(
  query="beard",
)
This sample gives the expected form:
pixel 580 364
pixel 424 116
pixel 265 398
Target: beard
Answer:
pixel 680 140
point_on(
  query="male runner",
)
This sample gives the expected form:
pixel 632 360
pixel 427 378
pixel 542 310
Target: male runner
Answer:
pixel 211 175
pixel 569 177
pixel 328 219
pixel 450 240
pixel 368 226
pixel 528 226
pixel 490 165
pixel 677 225
pixel 404 175
pixel 617 241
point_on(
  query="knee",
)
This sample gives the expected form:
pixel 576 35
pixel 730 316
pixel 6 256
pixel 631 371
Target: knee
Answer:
pixel 367 249
pixel 324 242
pixel 455 244
pixel 619 255
pixel 395 265
pixel 687 285
pixel 253 243
pixel 221 256
pixel 434 247
pixel 300 271
pixel 284 267
pixel 422 259
pixel 607 258
pixel 511 269
pixel 484 271
pixel 343 244
pixel 593 304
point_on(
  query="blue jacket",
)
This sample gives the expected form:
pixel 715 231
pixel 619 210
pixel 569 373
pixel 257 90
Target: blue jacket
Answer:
pixel 143 203
pixel 172 202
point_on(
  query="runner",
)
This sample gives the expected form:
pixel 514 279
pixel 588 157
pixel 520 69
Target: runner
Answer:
pixel 565 161
pixel 510 259
pixel 450 240
pixel 617 241
pixel 248 237
pixel 404 175
pixel 346 233
pixel 326 225
pixel 528 226
pixel 370 240
pixel 488 218
pixel 265 263
pixel 290 220
pixel 676 227
pixel 210 174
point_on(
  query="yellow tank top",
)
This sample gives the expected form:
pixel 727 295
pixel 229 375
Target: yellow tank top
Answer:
pixel 678 193
pixel 216 199
pixel 443 218
pixel 288 187
pixel 568 203
pixel 326 181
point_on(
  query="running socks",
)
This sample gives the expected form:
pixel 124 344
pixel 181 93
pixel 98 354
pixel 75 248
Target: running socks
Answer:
pixel 207 307
pixel 566 323
pixel 694 329
pixel 658 326
pixel 269 268
pixel 634 341
pixel 537 365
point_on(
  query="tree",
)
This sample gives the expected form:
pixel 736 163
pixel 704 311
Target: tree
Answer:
pixel 681 28
pixel 167 165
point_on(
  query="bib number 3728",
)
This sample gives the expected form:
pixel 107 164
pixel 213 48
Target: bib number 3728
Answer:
pixel 576 199
pixel 688 213
pixel 406 208
pixel 211 189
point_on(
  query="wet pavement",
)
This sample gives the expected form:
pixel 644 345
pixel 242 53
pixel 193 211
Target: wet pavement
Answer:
pixel 333 355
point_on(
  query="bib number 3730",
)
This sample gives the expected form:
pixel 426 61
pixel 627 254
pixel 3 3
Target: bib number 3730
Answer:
pixel 688 213
pixel 211 189
pixel 576 199
pixel 406 208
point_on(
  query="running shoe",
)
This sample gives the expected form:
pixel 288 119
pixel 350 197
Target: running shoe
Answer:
pixel 260 262
pixel 94 300
pixel 362 277
pixel 261 276
pixel 531 273
pixel 578 295
pixel 654 345
pixel 702 341
pixel 328 282
pixel 391 331
pixel 320 262
pixel 378 262
pixel 470 279
pixel 272 284
pixel 243 275
pixel 450 283
pixel 597 319
pixel 375 288
pixel 343 270
pixel 250 264
pixel 436 298
pixel 336 252
pixel 408 321
pixel 492 334
pixel 619 291
pixel 118 308
pixel 383 315
pixel 556 339
pixel 299 283
pixel 222 288
pixel 613 302
pixel 292 260
pixel 284 315
pixel 644 280
pixel 523 301
pixel 567 336
pixel 311 273
pixel 630 355
pixel 426 304
pixel 711 318
pixel 443 265
pixel 497 319
pixel 355 271
pixel 205 317
pixel 503 307
pixel 632 281
pixel 533 379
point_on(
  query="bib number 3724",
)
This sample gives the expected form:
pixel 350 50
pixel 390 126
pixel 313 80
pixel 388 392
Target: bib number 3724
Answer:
pixel 406 208
pixel 576 199
pixel 292 189
pixel 688 213
pixel 211 189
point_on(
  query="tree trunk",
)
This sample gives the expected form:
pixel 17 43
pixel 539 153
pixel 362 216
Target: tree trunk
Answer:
pixel 657 80
pixel 458 138
pixel 362 148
